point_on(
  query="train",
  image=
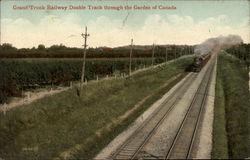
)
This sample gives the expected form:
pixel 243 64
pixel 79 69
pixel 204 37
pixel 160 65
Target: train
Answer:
pixel 200 61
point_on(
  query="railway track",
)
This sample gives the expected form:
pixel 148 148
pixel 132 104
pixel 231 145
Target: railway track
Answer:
pixel 140 137
pixel 181 147
pixel 182 143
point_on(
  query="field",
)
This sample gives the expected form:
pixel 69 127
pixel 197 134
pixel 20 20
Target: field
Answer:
pixel 65 125
pixel 21 74
pixel 231 130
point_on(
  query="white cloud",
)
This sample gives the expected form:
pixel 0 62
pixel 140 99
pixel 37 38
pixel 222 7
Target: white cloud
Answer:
pixel 107 32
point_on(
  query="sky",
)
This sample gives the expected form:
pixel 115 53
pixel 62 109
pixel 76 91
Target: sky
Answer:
pixel 192 22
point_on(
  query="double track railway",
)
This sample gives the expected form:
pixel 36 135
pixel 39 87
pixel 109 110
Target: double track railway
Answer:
pixel 182 143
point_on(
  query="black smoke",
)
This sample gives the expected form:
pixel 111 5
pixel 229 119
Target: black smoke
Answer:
pixel 220 42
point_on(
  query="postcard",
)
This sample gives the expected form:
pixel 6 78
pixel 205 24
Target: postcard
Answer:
pixel 124 79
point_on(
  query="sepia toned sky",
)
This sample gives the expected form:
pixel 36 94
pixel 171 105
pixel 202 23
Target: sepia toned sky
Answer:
pixel 191 22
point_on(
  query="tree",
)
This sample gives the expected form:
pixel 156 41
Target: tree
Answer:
pixel 6 46
pixel 41 47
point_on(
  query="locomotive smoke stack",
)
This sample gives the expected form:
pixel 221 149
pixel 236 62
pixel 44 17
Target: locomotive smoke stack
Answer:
pixel 220 42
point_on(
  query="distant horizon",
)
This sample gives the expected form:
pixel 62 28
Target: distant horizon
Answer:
pixel 101 46
pixel 108 46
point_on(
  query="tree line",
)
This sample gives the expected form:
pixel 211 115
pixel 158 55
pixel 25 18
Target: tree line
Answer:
pixel 61 51
pixel 241 51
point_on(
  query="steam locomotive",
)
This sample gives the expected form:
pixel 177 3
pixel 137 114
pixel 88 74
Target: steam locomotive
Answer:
pixel 200 61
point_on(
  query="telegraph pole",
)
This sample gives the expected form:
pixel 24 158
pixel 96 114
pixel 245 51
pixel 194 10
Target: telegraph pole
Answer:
pixel 166 53
pixel 85 36
pixel 153 53
pixel 130 56
pixel 0 24
pixel 174 53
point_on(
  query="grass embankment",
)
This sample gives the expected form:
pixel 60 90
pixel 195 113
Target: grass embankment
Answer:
pixel 65 125
pixel 231 112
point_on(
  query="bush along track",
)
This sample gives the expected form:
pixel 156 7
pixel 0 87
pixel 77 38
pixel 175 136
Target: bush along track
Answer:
pixel 231 131
pixel 65 125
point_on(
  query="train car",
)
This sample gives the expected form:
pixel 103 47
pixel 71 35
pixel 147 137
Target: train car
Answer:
pixel 200 62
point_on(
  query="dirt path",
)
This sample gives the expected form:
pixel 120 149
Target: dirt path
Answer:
pixel 30 97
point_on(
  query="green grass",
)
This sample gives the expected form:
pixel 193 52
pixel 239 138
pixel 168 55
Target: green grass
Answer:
pixel 101 142
pixel 66 122
pixel 220 147
pixel 231 109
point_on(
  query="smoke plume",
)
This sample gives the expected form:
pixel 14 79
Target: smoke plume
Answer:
pixel 218 42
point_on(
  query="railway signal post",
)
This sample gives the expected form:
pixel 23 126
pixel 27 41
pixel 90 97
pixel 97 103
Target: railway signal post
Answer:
pixel 175 53
pixel 85 36
pixel 130 56
pixel 166 53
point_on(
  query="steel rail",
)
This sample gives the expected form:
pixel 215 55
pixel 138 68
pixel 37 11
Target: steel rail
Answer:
pixel 149 135
pixel 186 116
pixel 199 116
